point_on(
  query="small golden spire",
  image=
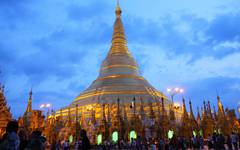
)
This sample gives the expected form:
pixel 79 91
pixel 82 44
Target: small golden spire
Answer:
pixel 29 106
pixel 118 10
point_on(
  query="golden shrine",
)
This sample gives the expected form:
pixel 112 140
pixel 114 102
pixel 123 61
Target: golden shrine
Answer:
pixel 5 114
pixel 32 119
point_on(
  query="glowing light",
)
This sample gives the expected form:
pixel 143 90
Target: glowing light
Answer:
pixel 176 105
pixel 170 134
pixel 133 135
pixel 169 90
pixel 181 90
pixel 70 139
pixel 201 132
pixel 48 105
pixel 115 136
pixel 194 133
pixel 176 89
pixel 42 106
pixel 99 139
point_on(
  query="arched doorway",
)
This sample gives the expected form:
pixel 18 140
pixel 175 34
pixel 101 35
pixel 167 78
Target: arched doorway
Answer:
pixel 115 136
pixel 170 134
pixel 99 139
pixel 132 135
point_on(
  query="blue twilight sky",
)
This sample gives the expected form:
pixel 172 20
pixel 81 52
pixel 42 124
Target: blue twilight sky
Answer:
pixel 56 47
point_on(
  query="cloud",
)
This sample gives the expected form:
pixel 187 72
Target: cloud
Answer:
pixel 57 47
pixel 225 28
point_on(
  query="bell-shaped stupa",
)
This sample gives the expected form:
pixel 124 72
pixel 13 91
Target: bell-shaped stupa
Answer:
pixel 120 101
pixel 119 75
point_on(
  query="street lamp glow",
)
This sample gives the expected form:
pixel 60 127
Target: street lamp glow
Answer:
pixel 169 90
pixel 41 106
pixel 176 105
pixel 177 89
pixel 181 90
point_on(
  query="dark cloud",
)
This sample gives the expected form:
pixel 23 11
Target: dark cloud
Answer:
pixel 225 28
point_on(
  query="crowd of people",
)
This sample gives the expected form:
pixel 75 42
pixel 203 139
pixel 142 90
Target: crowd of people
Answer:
pixel 18 140
pixel 14 139
pixel 215 142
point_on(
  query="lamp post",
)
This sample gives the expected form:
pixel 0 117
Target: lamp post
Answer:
pixel 174 91
pixel 46 107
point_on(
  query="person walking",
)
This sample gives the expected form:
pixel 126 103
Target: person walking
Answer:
pixel 234 139
pixel 66 145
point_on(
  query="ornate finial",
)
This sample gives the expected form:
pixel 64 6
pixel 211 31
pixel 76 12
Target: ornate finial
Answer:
pixel 118 10
pixel 2 88
pixel 118 3
pixel 30 93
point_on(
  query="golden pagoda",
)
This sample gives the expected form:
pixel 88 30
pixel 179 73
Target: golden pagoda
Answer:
pixel 193 122
pixel 32 119
pixel 185 128
pixel 5 114
pixel 118 95
pixel 207 124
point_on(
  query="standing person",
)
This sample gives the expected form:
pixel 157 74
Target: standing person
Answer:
pixel 77 144
pixel 210 142
pixel 36 142
pixel 201 141
pixel 11 140
pixel 133 143
pixel 66 145
pixel 23 139
pixel 85 141
pixel 221 141
pixel 58 145
pixel 234 139
pixel 229 142
pixel 139 143
pixel 161 144
pixel 53 145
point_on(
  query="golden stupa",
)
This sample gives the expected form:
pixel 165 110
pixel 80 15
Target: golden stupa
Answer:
pixel 120 96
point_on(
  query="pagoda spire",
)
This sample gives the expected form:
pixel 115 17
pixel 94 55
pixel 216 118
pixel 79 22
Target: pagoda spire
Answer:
pixel 193 121
pixel 29 106
pixel 69 120
pixel 198 117
pixel 141 110
pixel 204 110
pixel 164 121
pixel 221 112
pixel 221 118
pixel 191 110
pixel 5 114
pixel 119 42
pixel 184 107
pixel 185 123
pixel 210 111
pixel 214 113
